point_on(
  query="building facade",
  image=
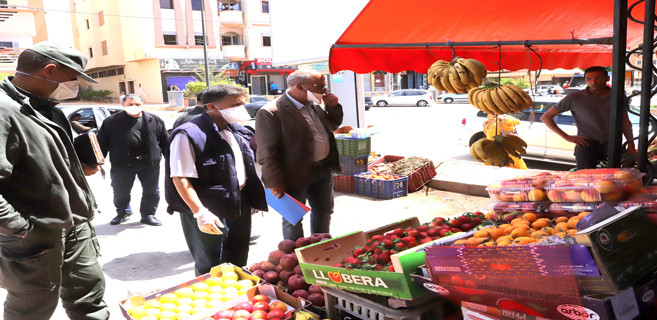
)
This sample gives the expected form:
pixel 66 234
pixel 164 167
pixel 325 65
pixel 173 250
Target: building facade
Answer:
pixel 147 46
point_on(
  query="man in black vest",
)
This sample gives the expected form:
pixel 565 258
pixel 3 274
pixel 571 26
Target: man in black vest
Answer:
pixel 212 181
pixel 136 141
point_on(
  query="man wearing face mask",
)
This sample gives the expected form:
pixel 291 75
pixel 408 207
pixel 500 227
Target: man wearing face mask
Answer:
pixel 212 181
pixel 135 140
pixel 297 149
pixel 48 247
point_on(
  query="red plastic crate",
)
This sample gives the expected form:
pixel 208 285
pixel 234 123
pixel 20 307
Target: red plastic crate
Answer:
pixel 344 184
pixel 421 176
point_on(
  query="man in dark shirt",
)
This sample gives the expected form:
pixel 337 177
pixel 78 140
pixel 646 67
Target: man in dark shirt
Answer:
pixel 135 141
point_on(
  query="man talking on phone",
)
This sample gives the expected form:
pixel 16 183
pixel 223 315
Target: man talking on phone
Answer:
pixel 297 149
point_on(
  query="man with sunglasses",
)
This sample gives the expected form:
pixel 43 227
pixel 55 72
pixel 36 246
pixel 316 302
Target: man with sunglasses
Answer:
pixel 297 149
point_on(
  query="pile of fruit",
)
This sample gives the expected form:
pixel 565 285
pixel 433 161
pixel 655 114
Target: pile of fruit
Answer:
pixel 375 254
pixel 496 99
pixel 282 269
pixel 497 151
pixel 261 306
pixel 198 297
pixel 521 231
pixel 379 176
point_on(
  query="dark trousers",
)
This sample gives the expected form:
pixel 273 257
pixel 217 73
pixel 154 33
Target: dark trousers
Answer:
pixel 209 250
pixel 588 157
pixel 319 194
pixel 123 178
pixel 49 264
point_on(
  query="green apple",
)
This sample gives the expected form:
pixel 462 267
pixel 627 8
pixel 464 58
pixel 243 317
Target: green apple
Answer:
pixel 168 298
pixel 229 283
pixel 183 301
pixel 185 308
pixel 137 312
pixel 168 306
pixel 244 284
pixel 185 292
pixel 214 296
pixel 213 281
pixel 217 289
pixel 153 303
pixel 200 286
pixel 230 275
pixel 199 295
pixel 229 296
pixel 198 303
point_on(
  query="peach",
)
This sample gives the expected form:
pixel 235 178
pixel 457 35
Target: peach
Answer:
pixel 555 195
pixel 604 186
pixel 536 195
pixel 572 196
pixel 591 195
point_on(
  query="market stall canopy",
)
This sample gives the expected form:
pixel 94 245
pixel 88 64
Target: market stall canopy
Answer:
pixel 394 36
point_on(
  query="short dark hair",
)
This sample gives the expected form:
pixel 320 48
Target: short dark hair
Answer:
pixel 596 69
pixel 132 96
pixel 199 96
pixel 220 92
pixel 30 61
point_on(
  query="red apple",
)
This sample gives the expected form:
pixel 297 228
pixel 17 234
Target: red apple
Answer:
pixel 227 314
pixel 259 297
pixel 241 314
pixel 261 305
pixel 278 305
pixel 244 306
pixel 258 314
pixel 276 314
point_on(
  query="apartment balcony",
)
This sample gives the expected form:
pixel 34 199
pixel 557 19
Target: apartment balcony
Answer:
pixel 233 52
pixel 231 18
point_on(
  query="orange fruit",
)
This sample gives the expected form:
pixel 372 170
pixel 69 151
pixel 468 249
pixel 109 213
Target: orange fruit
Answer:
pixel 560 219
pixel 572 223
pixel 560 234
pixel 536 195
pixel 524 240
pixel 540 224
pixel 520 232
pixel 496 233
pixel 538 234
pixel 583 214
pixel 548 230
pixel 571 232
pixel 531 217
pixel 604 186
pixel 561 227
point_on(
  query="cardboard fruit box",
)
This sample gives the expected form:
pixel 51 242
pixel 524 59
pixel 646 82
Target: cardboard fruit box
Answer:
pixel 217 271
pixel 317 262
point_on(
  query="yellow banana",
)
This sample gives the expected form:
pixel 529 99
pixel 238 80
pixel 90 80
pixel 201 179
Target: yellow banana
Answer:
pixel 488 102
pixel 477 97
pixel 444 80
pixel 523 95
pixel 435 82
pixel 470 93
pixel 510 104
pixel 438 65
pixel 464 74
pixel 511 94
pixel 499 103
pixel 455 81
pixel 478 75
pixel 510 150
pixel 473 154
pixel 517 139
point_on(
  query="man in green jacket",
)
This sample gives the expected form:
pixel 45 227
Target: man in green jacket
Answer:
pixel 48 247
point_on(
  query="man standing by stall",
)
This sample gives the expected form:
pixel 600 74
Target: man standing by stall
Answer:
pixel 212 182
pixel 297 149
pixel 590 108
pixel 48 246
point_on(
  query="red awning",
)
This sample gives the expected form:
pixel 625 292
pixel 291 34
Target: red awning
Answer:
pixel 400 31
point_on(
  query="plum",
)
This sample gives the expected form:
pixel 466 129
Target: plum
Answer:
pixel 302 242
pixel 287 246
pixel 275 256
pixel 271 277
pixel 316 299
pixel 289 261
pixel 267 266
pixel 296 282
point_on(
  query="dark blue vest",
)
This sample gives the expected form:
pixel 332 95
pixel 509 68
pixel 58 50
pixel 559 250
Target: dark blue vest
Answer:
pixel 217 185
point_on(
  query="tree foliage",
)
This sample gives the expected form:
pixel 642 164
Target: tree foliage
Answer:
pixel 193 88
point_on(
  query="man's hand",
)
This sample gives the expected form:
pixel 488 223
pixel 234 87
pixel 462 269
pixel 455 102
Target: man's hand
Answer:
pixel 89 170
pixel 277 192
pixel 578 140
pixel 208 222
pixel 330 100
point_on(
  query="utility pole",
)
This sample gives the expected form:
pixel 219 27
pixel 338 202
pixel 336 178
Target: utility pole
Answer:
pixel 205 45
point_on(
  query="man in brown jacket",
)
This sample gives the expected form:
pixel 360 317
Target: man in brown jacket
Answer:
pixel 297 149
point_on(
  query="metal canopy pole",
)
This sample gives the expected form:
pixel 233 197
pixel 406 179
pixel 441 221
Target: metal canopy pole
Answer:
pixel 646 84
pixel 205 46
pixel 607 41
pixel 617 84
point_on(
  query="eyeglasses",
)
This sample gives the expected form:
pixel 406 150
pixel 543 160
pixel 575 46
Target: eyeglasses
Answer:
pixel 318 86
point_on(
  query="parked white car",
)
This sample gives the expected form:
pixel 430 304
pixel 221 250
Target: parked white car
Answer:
pixel 542 143
pixel 404 97
pixel 453 97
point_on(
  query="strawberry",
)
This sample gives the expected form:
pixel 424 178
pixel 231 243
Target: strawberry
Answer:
pixel 425 240
pixel 434 224
pixel 375 244
pixel 358 251
pixel 394 237
pixel 479 214
pixel 454 223
pixel 384 257
pixel 476 221
pixel 387 243
pixel 423 235
pixel 377 250
pixel 407 239
pixel 414 233
pixel 444 232
pixel 464 218
pixel 391 268
pixel 377 237
pixel 466 226
pixel 433 232
pixel 398 232
pixel 423 228
pixel 439 219
pixel 400 246
pixel 455 230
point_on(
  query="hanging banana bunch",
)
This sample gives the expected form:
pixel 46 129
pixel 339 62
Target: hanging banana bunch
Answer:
pixel 498 150
pixel 460 75
pixel 495 99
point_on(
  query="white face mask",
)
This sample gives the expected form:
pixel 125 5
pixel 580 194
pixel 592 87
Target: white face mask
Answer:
pixel 235 114
pixel 65 90
pixel 133 110
pixel 315 98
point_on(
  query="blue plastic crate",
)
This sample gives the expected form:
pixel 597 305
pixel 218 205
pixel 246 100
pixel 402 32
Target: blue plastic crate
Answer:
pixel 382 189
pixel 352 166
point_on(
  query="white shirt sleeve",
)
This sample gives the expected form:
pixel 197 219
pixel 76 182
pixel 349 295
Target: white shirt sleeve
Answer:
pixel 182 161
